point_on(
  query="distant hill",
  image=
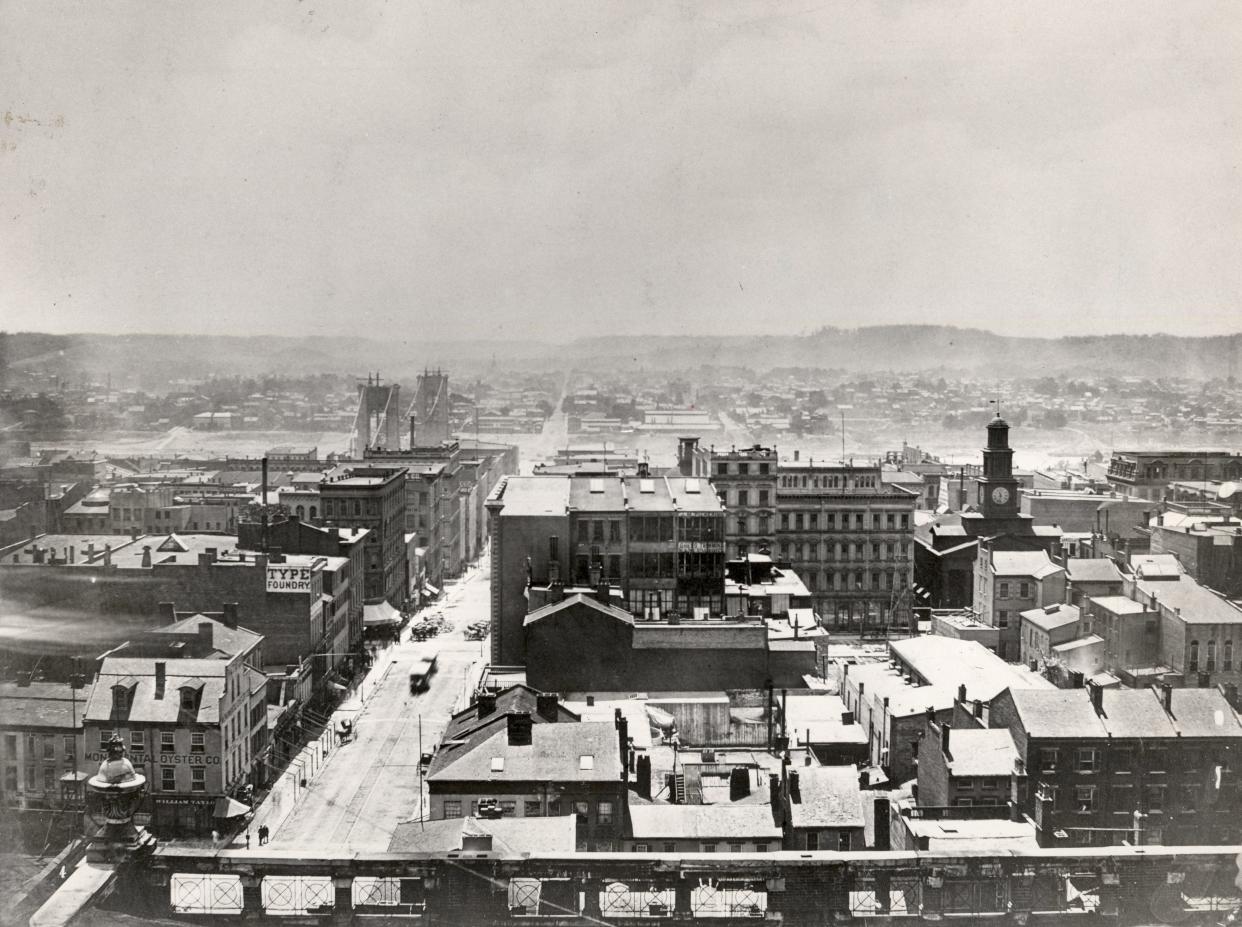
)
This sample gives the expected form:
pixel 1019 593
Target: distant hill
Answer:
pixel 159 359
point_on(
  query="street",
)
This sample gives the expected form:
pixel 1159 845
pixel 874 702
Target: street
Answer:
pixel 370 784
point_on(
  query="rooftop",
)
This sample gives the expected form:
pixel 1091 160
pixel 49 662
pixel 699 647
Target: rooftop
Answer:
pixel 830 797
pixel 1035 563
pixel 981 752
pixel 1052 617
pixel 703 822
pixel 556 753
pixel 42 705
pixel 1195 604
pixel 1096 570
pixel 950 661
pixel 510 836
pixel 138 674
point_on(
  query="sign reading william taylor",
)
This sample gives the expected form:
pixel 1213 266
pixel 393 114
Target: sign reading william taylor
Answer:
pixel 284 578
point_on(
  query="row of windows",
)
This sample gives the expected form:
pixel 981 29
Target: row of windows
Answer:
pixel 878 550
pixel 742 468
pixel 845 521
pixel 167 741
pixel 670 846
pixel 1018 590
pixel 605 811
pixel 1125 799
pixel 839 582
pixel 1209 665
pixel 41 745
pixel 742 497
pixel 831 481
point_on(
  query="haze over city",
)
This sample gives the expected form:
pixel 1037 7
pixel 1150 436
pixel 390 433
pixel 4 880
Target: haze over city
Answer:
pixel 556 170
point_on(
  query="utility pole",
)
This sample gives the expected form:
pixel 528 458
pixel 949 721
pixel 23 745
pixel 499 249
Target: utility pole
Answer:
pixel 421 825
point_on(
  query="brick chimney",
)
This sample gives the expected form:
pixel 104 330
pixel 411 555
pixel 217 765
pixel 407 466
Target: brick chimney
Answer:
pixel 546 705
pixel 485 704
pixel 229 616
pixel 167 612
pixel 520 726
pixel 1096 692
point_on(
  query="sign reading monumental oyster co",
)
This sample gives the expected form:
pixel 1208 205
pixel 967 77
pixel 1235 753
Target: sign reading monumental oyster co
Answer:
pixel 284 578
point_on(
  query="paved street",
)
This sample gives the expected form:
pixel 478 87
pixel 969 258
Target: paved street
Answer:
pixel 371 783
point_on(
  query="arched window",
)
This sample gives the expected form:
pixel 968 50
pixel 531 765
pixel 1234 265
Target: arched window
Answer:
pixel 301 513
pixel 1211 657
pixel 314 512
pixel 1228 656
pixel 1194 657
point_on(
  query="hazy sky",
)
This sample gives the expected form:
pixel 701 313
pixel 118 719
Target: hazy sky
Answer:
pixel 540 170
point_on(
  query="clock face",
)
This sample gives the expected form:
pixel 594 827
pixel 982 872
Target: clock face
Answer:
pixel 1000 495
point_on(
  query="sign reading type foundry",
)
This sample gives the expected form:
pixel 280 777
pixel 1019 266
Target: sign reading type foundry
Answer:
pixel 284 578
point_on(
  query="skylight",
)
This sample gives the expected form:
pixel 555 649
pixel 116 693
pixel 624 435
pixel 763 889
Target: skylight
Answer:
pixel 692 485
pixel 646 485
pixel 597 485
pixel 498 764
pixel 586 761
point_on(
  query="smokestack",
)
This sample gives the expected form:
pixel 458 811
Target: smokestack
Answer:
pixel 263 508
pixel 160 678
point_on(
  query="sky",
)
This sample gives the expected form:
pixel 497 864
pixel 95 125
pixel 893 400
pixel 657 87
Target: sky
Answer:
pixel 545 170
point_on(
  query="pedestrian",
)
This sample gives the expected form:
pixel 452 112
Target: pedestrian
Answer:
pixel 263 834
pixel 247 840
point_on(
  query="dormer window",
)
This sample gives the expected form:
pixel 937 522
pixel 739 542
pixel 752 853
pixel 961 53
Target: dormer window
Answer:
pixel 120 698
pixel 189 698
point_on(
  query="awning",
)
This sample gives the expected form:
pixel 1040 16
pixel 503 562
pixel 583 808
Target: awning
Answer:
pixel 379 615
pixel 230 808
pixel 75 777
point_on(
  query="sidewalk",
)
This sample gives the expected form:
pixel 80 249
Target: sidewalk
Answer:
pixel 288 789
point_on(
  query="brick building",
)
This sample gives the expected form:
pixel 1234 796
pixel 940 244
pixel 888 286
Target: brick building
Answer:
pixel 849 535
pixel 372 498
pixel 533 761
pixel 1147 474
pixel 1008 583
pixel 745 479
pixel 190 704
pixel 658 541
pixel 1096 756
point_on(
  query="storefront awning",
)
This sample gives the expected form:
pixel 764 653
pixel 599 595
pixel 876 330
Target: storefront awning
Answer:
pixel 230 807
pixel 379 615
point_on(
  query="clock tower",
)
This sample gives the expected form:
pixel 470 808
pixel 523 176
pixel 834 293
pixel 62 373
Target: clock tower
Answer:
pixel 998 490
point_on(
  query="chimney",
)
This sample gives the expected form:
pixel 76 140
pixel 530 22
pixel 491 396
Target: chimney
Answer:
pixel 146 556
pixel 107 555
pixel 643 776
pixel 795 456
pixel 213 553
pixel 485 704
pixel 944 740
pixel 230 614
pixel 961 693
pixel 72 554
pixel 795 788
pixel 1015 813
pixel 206 635
pixel 623 741
pixel 1231 695
pixel 774 798
pixel 520 724
pixel 160 678
pixel 1166 698
pixel 847 718
pixel 739 783
pixel 978 708
pixel 167 613
pixel 476 843
pixel 590 701
pixel 133 533
pixel 546 705
pixel 882 824
pixel 1096 692
pixel 1205 680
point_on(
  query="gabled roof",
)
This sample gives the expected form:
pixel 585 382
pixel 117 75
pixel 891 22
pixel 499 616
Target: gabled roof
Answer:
pixel 576 599
pixel 553 755
pixel 226 639
pixel 1094 570
pixel 1056 713
pixel 1051 617
pixel 1034 563
pixel 207 675
pixel 830 797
